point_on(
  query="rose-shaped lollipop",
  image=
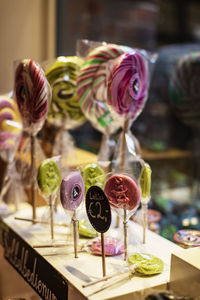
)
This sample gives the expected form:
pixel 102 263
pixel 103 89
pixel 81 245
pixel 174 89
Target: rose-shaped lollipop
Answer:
pixel 128 85
pixel 31 93
pixel 184 89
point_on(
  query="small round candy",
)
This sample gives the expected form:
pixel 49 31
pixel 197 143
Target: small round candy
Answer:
pixel 128 85
pixel 184 89
pixel 147 264
pixel 113 246
pixel 145 181
pixel 48 177
pixel 86 230
pixel 10 123
pixel 72 191
pixel 122 192
pixel 187 237
pixel 93 175
pixel 31 93
pixel 92 84
pixel 62 75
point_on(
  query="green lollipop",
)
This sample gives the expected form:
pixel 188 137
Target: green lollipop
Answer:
pixel 93 175
pixel 86 230
pixel 147 264
pixel 48 177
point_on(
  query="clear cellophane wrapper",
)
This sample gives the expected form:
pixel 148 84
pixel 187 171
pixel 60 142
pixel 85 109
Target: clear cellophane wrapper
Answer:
pixel 64 110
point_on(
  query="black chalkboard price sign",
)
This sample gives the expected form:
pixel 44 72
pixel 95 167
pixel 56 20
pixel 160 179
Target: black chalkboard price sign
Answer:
pixel 98 209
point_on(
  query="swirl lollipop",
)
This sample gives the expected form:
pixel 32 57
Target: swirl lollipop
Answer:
pixel 10 133
pixel 62 75
pixel 71 195
pixel 145 188
pixel 123 193
pixel 48 178
pixel 31 93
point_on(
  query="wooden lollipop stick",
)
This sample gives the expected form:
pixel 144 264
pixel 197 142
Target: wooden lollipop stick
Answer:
pixel 33 200
pixel 144 215
pixel 130 268
pixel 103 254
pixel 125 235
pixel 40 222
pixel 51 216
pixel 75 233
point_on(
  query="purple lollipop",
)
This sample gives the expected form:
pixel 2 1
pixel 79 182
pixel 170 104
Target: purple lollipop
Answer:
pixel 72 191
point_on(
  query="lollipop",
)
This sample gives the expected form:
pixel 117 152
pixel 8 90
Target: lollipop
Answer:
pixel 147 264
pixel 93 175
pixel 145 188
pixel 71 195
pixel 85 229
pixel 31 93
pixel 10 124
pixel 49 179
pixel 128 84
pixel 123 193
pixel 113 247
pixel 92 86
pixel 184 89
pixel 62 75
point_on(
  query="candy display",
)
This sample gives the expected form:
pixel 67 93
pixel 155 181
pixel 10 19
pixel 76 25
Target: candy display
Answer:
pixel 184 89
pixel 122 192
pixel 187 237
pixel 10 124
pixel 86 230
pixel 48 177
pixel 128 85
pixel 93 175
pixel 147 264
pixel 72 191
pixel 92 86
pixel 31 92
pixel 62 76
pixel 113 246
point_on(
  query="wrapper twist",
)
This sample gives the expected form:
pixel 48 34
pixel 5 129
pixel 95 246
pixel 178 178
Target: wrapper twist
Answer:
pixel 62 76
pixel 10 123
pixel 122 192
pixel 31 93
pixel 92 84
pixel 184 89
pixel 145 181
pixel 128 85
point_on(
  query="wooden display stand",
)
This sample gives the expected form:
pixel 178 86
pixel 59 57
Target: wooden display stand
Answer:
pixel 185 272
pixel 47 270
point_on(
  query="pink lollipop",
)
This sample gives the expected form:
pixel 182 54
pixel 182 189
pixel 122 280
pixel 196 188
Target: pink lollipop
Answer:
pixel 122 192
pixel 31 93
pixel 72 191
pixel 113 246
pixel 127 85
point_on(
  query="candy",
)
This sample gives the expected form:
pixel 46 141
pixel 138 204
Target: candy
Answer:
pixel 62 75
pixel 187 237
pixel 92 86
pixel 31 93
pixel 93 175
pixel 145 181
pixel 86 230
pixel 147 264
pixel 184 89
pixel 48 177
pixel 122 192
pixel 128 84
pixel 10 123
pixel 72 191
pixel 113 246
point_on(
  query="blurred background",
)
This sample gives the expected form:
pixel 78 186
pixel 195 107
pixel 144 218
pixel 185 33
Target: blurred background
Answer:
pixel 168 29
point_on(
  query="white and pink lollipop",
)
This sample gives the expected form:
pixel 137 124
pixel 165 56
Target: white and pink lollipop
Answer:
pixel 32 92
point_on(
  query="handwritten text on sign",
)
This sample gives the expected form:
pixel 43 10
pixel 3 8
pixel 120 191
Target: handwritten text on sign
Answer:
pixel 98 209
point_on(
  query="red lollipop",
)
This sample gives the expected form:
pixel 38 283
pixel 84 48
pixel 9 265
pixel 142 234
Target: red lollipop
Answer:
pixel 122 192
